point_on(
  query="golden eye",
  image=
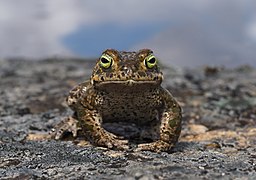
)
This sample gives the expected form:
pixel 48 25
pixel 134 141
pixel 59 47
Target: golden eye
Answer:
pixel 106 61
pixel 150 61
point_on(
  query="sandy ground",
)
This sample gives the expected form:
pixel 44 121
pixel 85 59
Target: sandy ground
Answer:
pixel 218 137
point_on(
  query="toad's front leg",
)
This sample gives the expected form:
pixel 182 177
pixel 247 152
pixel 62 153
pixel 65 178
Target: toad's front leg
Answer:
pixel 90 121
pixel 170 126
pixel 69 124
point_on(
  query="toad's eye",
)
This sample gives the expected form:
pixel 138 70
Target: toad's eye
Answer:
pixel 106 61
pixel 150 61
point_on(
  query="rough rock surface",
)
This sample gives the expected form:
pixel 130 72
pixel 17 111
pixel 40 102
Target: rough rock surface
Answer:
pixel 218 136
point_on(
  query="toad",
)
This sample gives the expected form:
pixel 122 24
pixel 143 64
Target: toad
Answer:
pixel 124 88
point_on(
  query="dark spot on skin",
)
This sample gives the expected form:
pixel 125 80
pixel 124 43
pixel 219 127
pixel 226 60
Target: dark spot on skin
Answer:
pixel 111 75
pixel 141 73
pixel 172 123
pixel 176 109
pixel 89 127
pixel 123 74
pixel 148 73
pixel 102 78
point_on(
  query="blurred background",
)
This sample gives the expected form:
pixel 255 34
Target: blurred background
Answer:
pixel 180 32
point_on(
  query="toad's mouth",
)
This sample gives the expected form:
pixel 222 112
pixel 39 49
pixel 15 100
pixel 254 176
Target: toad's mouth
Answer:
pixel 129 82
pixel 127 86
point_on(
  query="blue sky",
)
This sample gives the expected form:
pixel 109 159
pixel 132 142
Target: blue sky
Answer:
pixel 181 33
pixel 109 35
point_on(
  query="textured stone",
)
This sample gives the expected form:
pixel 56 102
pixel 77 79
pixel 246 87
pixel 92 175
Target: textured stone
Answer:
pixel 217 141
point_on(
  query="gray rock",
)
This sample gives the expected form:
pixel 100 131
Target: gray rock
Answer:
pixel 222 100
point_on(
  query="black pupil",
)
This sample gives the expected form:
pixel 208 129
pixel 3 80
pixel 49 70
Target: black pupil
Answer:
pixel 152 60
pixel 104 60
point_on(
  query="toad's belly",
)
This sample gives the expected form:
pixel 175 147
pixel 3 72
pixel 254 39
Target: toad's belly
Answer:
pixel 138 110
pixel 130 115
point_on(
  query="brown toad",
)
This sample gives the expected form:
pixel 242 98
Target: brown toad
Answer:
pixel 125 88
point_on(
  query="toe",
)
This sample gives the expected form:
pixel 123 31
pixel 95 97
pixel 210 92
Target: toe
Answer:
pixel 157 146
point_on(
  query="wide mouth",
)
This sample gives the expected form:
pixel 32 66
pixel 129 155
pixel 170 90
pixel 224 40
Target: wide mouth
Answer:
pixel 127 82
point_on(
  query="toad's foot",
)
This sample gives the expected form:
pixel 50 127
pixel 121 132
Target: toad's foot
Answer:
pixel 156 146
pixel 111 141
pixel 69 124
